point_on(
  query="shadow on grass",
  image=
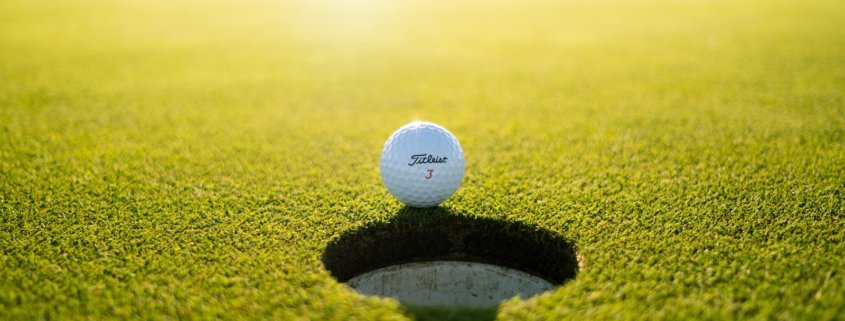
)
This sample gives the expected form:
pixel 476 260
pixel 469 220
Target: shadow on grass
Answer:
pixel 418 235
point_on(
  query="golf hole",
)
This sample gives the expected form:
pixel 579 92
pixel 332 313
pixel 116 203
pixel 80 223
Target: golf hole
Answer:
pixel 435 258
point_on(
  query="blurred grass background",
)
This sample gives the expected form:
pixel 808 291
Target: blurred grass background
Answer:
pixel 190 159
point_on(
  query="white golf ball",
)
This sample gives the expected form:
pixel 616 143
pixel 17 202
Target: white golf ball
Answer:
pixel 422 164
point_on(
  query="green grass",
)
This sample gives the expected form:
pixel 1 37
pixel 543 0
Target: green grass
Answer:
pixel 192 159
pixel 435 313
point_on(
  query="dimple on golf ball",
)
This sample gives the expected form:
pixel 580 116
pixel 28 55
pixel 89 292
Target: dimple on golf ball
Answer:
pixel 422 164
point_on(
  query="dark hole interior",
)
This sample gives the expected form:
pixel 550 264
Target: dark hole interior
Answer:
pixel 416 235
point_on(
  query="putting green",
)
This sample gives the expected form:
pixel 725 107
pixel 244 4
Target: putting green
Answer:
pixel 193 159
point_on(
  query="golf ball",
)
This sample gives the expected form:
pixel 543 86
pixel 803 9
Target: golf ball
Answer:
pixel 422 164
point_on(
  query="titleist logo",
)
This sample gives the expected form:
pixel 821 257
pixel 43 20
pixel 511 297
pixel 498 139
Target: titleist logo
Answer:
pixel 426 159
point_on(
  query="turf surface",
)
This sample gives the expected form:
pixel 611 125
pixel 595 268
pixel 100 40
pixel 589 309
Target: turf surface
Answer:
pixel 192 159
